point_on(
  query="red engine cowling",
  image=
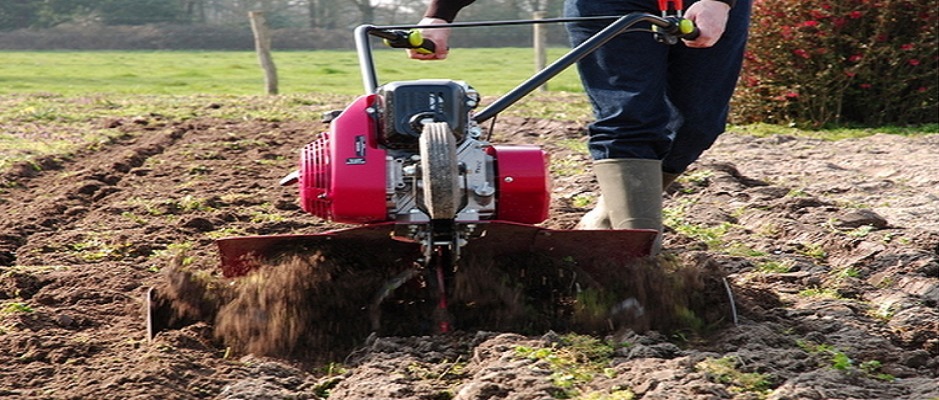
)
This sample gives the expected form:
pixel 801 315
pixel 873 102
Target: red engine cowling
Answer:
pixel 342 173
pixel 523 190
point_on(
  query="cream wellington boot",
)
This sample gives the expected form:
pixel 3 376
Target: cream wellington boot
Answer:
pixel 599 218
pixel 632 194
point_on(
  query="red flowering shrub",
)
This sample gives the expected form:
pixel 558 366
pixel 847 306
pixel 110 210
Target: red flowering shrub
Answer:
pixel 813 62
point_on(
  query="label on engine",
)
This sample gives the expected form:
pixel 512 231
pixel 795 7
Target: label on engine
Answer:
pixel 360 146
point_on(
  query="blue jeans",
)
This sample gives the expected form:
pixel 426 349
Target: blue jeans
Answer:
pixel 652 100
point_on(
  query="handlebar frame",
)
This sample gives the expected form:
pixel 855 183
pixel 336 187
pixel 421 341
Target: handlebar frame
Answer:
pixel 620 24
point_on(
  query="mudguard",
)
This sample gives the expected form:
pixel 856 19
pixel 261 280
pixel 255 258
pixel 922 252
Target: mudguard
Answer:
pixel 240 255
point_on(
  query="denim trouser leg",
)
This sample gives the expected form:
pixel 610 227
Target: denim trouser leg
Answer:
pixel 701 83
pixel 651 100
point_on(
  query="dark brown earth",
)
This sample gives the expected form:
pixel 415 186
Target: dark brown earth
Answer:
pixel 831 249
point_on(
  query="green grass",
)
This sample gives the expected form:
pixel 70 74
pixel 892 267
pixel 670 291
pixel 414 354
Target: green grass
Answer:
pixel 490 71
pixel 55 102
pixel 834 133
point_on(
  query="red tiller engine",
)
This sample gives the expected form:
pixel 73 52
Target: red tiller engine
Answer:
pixel 412 154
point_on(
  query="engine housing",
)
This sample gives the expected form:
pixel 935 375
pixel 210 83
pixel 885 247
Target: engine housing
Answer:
pixel 364 171
pixel 407 105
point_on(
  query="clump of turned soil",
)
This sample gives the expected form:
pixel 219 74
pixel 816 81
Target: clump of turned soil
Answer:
pixel 321 305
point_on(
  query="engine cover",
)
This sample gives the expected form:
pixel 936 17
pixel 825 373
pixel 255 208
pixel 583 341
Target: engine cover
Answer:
pixel 523 184
pixel 342 173
pixel 407 105
pixel 350 175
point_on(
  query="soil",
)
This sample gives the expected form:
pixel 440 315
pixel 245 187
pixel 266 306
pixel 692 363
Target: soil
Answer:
pixel 830 250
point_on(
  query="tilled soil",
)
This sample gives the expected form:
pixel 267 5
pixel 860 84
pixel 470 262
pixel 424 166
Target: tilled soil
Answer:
pixel 830 248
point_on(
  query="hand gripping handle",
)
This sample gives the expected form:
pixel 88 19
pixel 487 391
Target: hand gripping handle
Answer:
pixel 406 39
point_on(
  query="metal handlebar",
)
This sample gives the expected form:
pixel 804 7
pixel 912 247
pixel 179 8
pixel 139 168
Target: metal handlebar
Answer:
pixel 670 27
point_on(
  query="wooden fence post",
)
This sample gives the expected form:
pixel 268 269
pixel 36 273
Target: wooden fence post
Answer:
pixel 540 37
pixel 262 43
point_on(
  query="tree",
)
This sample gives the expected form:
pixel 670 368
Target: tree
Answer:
pixel 18 14
pixel 553 7
pixel 324 13
pixel 394 12
pixel 138 12
pixel 366 9
pixel 194 10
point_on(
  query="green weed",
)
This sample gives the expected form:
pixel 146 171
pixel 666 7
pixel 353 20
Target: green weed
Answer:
pixel 768 230
pixel 191 204
pixel 813 250
pixel 176 252
pixel 436 372
pixel 724 370
pixel 16 308
pixel 871 368
pixel 827 293
pixel 860 232
pixel 198 170
pixel 797 193
pixel 849 272
pixel 577 360
pixel 697 177
pixel 613 394
pixel 261 217
pixel 95 249
pixel 568 166
pixel 582 200
pixel 883 312
pixel 576 145
pixel 134 217
pixel 775 267
pixel 741 250
pixel 842 362
pixel 226 232
pixel 712 236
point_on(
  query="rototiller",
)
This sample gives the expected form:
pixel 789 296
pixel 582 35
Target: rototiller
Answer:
pixel 410 164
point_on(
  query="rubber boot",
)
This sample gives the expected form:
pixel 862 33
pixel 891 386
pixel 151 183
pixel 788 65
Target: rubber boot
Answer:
pixel 596 219
pixel 632 194
pixel 599 217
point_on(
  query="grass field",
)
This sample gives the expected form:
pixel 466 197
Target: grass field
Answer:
pixel 55 102
pixel 491 71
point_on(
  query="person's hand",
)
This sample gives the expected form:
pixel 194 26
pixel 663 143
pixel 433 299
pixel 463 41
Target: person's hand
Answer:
pixel 711 19
pixel 440 37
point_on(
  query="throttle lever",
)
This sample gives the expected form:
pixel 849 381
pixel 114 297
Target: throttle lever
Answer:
pixel 410 39
pixel 679 28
